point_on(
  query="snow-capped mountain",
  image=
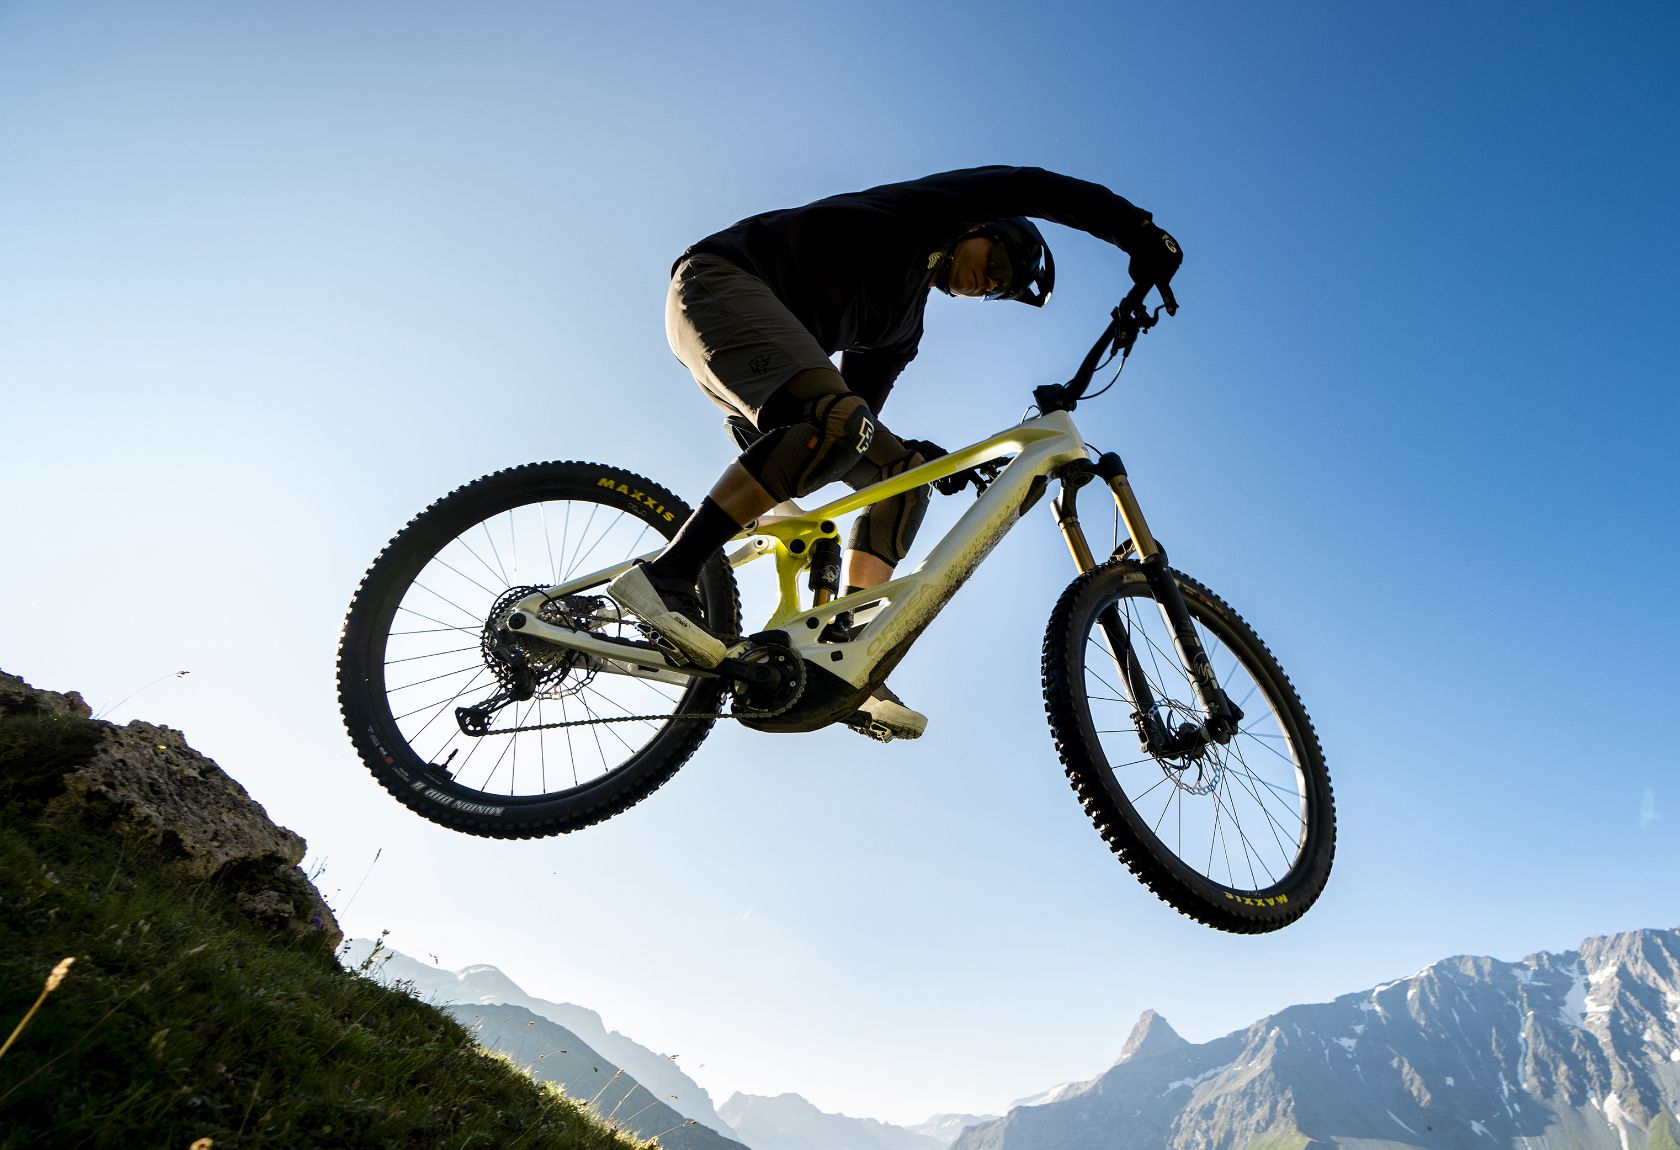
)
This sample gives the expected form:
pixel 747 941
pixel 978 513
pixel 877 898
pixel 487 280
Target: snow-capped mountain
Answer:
pixel 1572 1051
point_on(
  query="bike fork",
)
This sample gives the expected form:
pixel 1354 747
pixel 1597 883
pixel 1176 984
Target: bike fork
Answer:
pixel 1222 715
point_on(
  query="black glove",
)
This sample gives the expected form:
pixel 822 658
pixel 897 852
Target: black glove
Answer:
pixel 950 484
pixel 1155 256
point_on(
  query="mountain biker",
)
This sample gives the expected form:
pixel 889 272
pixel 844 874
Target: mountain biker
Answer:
pixel 756 310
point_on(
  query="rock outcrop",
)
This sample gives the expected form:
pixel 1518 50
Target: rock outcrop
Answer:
pixel 147 781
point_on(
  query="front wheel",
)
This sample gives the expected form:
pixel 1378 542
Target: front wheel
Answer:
pixel 1238 835
pixel 485 731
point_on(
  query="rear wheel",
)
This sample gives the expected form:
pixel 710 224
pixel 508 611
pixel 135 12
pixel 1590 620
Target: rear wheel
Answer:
pixel 551 739
pixel 1239 835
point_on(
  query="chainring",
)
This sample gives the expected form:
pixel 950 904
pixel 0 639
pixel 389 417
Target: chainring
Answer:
pixel 753 702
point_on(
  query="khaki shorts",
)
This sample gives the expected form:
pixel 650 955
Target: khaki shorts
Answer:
pixel 739 340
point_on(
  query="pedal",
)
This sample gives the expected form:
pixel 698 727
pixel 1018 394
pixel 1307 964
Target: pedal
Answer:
pixel 664 646
pixel 868 727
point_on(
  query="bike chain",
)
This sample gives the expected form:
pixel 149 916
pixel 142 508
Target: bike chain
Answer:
pixel 513 595
pixel 770 714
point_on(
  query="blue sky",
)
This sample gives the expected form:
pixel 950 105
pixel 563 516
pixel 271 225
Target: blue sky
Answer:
pixel 272 279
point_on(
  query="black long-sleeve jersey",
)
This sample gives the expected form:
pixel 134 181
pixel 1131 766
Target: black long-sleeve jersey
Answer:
pixel 856 268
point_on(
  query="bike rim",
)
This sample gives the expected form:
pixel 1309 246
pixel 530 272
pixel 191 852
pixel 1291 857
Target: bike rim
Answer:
pixel 433 659
pixel 1238 814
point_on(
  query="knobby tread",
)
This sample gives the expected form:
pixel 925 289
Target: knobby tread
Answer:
pixel 383 585
pixel 1152 863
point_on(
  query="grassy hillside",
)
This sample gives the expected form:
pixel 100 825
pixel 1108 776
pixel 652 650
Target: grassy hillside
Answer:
pixel 184 1022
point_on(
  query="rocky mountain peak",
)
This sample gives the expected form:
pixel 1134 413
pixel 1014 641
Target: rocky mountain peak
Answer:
pixel 1150 1037
pixel 1576 1050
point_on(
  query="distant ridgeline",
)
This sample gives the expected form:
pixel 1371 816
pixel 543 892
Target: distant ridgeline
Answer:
pixel 1573 1051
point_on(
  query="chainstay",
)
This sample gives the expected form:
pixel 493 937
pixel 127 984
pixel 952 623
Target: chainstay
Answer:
pixel 617 719
pixel 681 714
pixel 686 715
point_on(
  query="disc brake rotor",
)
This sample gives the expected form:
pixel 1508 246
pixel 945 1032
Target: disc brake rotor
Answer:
pixel 1199 771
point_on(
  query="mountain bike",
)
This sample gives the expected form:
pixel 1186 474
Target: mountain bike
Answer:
pixel 490 684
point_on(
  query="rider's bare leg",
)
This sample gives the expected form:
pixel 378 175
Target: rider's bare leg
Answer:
pixel 741 497
pixel 861 571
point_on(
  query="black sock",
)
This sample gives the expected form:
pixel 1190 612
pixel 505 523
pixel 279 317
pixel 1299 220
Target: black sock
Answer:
pixel 700 537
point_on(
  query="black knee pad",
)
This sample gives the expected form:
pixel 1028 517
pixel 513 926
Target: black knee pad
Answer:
pixel 799 458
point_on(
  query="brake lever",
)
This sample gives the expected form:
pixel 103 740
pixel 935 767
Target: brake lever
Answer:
pixel 1138 320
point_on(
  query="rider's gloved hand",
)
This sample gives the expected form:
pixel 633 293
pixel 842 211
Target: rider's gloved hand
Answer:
pixel 1155 256
pixel 950 484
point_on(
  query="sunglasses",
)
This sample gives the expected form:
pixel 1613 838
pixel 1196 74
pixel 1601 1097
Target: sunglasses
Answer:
pixel 999 268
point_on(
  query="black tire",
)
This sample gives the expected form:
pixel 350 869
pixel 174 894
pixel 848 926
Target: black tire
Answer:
pixel 413 651
pixel 1241 840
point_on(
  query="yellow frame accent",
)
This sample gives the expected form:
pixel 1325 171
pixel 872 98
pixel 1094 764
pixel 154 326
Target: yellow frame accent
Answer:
pixel 775 535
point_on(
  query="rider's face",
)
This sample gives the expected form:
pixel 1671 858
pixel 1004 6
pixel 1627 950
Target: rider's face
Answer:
pixel 970 275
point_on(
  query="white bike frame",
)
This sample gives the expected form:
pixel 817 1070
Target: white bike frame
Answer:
pixel 896 610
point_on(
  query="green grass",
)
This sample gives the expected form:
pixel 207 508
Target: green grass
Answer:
pixel 181 1019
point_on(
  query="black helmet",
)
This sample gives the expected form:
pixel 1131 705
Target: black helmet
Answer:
pixel 1020 261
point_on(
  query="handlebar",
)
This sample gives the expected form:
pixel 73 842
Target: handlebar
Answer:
pixel 1128 321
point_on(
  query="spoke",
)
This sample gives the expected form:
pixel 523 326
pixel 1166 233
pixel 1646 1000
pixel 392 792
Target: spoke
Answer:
pixel 433 679
pixel 571 749
pixel 1144 761
pixel 1223 840
pixel 469 614
pixel 501 565
pixel 1096 674
pixel 620 706
pixel 583 532
pixel 542 750
pixel 474 630
pixel 508 746
pixel 444 702
pixel 1285 797
pixel 1156 829
pixel 443 708
pixel 1264 744
pixel 548 543
pixel 565 535
pixel 1249 853
pixel 1244 779
pixel 595 734
pixel 612 728
pixel 464 544
pixel 431 655
pixel 446 565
